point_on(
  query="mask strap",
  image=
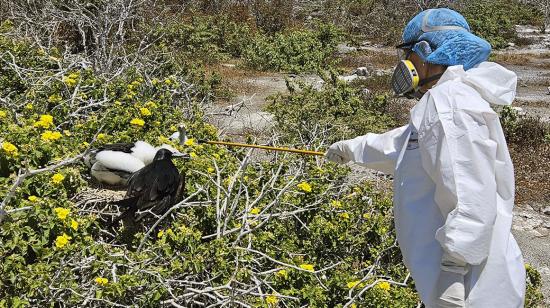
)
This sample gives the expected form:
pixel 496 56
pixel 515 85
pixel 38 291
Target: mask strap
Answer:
pixel 427 28
pixel 429 79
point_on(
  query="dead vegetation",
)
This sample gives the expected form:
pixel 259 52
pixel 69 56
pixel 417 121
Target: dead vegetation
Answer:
pixel 539 60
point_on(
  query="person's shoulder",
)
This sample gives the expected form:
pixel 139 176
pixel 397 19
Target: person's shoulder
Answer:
pixel 456 95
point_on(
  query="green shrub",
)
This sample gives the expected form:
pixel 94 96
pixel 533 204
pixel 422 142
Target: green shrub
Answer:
pixel 293 51
pixel 212 39
pixel 534 297
pixel 522 130
pixel 337 111
pixel 495 20
pixel 285 220
pixel 204 38
pixel 529 144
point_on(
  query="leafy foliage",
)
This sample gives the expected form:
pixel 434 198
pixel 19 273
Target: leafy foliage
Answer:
pixel 529 144
pixel 534 295
pixel 286 230
pixel 307 235
pixel 495 20
pixel 212 39
pixel 206 38
pixel 335 112
pixel 294 51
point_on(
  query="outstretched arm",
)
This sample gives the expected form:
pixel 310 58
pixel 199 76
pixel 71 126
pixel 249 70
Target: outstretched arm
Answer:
pixel 375 151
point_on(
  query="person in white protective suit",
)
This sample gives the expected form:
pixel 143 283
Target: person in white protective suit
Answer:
pixel 453 176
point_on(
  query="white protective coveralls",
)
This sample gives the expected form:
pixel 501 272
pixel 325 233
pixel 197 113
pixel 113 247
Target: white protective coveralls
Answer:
pixel 454 185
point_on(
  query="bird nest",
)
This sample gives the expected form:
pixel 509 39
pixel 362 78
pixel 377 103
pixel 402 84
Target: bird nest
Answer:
pixel 98 201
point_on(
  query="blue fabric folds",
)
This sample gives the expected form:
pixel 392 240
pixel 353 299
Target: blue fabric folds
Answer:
pixel 449 38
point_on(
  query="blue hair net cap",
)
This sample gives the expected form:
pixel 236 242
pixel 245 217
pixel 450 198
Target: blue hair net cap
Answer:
pixel 449 38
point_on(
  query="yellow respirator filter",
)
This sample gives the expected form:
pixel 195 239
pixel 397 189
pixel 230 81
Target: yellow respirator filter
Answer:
pixel 405 78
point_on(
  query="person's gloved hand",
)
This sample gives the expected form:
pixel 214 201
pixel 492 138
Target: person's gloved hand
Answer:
pixel 450 292
pixel 336 153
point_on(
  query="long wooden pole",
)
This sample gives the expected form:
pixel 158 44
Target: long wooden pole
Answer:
pixel 264 147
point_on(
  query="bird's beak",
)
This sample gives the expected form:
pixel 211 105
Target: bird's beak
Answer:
pixel 180 155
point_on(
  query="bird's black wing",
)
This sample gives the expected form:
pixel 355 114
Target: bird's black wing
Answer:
pixel 151 192
pixel 153 183
pixel 163 181
pixel 119 147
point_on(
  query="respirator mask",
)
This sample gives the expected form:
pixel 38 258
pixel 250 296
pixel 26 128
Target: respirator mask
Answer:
pixel 406 80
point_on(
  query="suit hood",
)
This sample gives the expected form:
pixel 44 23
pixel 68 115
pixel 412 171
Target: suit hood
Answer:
pixel 492 81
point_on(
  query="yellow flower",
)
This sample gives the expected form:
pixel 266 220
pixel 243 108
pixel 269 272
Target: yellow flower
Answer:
pixel 118 103
pixel 353 305
pixel 307 267
pixel 160 234
pixel 29 106
pixel 189 142
pixel 336 204
pixel 3 114
pixel 50 136
pixel 185 230
pixel 70 80
pixel 32 198
pixel 282 274
pixel 344 216
pixel 74 224
pixel 54 98
pixel 145 112
pixel 366 216
pixel 151 104
pixel 61 212
pixel 46 118
pixel 45 121
pixel 9 148
pixel 353 284
pixel 168 81
pixel 101 136
pixel 155 81
pixel 305 187
pixel 101 281
pixel 67 133
pixel 211 129
pixel 384 285
pixel 62 240
pixel 137 122
pixel 193 155
pixel 57 178
pixel 170 232
pixel 271 299
pixel 255 211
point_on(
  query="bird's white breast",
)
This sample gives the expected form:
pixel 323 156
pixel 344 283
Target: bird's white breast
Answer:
pixel 119 161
